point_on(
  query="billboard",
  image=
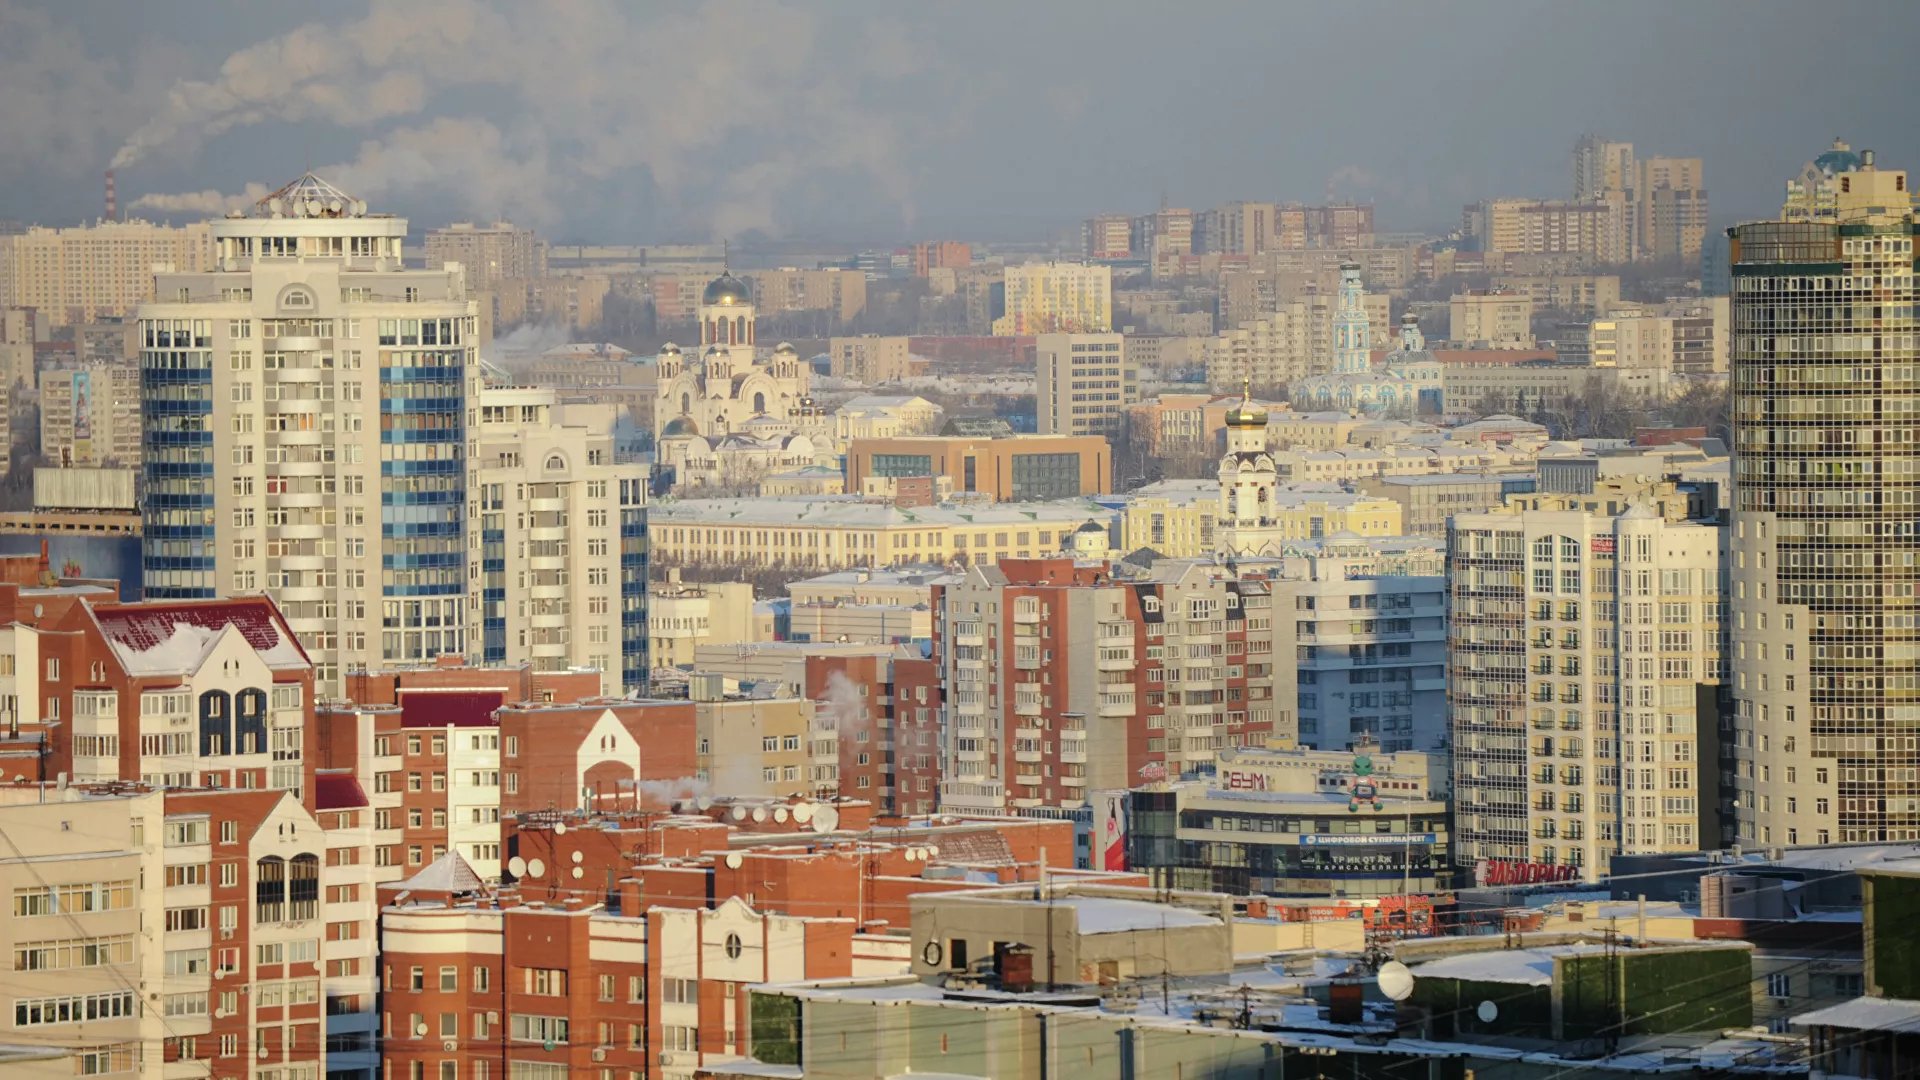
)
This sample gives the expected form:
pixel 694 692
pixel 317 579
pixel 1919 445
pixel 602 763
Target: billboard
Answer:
pixel 1110 830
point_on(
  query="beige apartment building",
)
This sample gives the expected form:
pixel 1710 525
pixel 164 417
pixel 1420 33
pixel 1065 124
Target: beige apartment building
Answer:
pixel 841 292
pixel 90 417
pixel 1291 343
pixel 306 411
pixel 767 747
pixel 869 358
pixel 549 521
pixel 1491 320
pixel 684 615
pixel 86 926
pixel 73 275
pixel 1587 632
pixel 1577 294
pixel 1591 232
pixel 1056 297
pixel 490 253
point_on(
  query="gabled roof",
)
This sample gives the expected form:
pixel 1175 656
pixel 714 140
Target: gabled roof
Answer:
pixel 175 638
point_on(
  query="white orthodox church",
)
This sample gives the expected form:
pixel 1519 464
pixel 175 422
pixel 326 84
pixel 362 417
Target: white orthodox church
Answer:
pixel 1355 385
pixel 1249 486
pixel 728 414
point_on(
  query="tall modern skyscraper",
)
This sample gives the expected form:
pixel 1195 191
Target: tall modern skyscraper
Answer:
pixel 1826 560
pixel 307 415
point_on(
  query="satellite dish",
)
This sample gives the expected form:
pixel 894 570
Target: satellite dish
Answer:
pixel 578 857
pixel 1488 1012
pixel 559 828
pixel 313 207
pixel 703 803
pixel 517 866
pixel 780 814
pixel 1396 981
pixel 578 873
pixel 826 819
pixel 536 868
pixel 913 854
pixel 333 206
pixel 803 812
pixel 734 860
pixel 739 813
pixel 420 1028
pixel 759 813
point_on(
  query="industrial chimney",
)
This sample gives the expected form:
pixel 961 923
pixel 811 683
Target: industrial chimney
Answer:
pixel 113 200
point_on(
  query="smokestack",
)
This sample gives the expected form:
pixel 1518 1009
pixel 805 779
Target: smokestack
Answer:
pixel 113 200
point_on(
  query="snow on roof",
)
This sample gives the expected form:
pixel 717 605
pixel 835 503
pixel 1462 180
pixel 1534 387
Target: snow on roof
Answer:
pixel 448 874
pixel 1106 915
pixel 1524 967
pixel 1866 1014
pixel 174 639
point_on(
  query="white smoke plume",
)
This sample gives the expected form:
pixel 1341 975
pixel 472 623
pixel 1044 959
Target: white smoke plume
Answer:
pixel 726 109
pixel 845 709
pixel 668 792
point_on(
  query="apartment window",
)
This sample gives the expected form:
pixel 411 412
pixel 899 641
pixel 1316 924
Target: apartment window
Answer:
pixel 546 982
pixel 449 979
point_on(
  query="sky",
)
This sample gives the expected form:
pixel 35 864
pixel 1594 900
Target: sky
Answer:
pixel 622 121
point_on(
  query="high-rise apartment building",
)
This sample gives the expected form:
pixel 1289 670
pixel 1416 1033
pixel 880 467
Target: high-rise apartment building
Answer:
pixel 559 536
pixel 1084 386
pixel 1670 208
pixel 489 253
pixel 1056 297
pixel 1491 319
pixel 90 417
pixel 1586 650
pixel 1826 486
pixel 870 358
pixel 334 472
pixel 1062 680
pixel 1107 236
pixel 842 294
pixel 1595 231
pixel 72 275
pixel 1601 165
pixel 1238 228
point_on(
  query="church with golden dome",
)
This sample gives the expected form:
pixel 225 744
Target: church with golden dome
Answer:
pixel 1249 485
pixel 728 411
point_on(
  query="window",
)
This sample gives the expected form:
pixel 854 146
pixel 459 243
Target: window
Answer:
pixel 449 979
pixel 546 982
pixel 541 1029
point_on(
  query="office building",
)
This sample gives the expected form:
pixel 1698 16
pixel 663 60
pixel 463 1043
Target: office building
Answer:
pixel 558 530
pixel 490 254
pixel 1056 298
pixel 1265 824
pixel 1014 468
pixel 334 473
pixel 1586 650
pixel 833 533
pixel 1084 385
pixel 69 276
pixel 90 417
pixel 1826 670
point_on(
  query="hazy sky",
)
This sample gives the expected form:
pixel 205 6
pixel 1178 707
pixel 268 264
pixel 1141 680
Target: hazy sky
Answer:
pixel 629 121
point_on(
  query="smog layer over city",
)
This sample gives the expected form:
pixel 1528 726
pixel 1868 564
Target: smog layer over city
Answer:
pixel 827 541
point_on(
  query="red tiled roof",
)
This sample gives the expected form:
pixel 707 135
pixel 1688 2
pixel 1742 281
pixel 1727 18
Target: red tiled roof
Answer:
pixel 338 791
pixel 449 708
pixel 173 637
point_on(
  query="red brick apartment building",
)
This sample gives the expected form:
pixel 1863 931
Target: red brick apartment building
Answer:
pixel 626 941
pixel 1088 679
